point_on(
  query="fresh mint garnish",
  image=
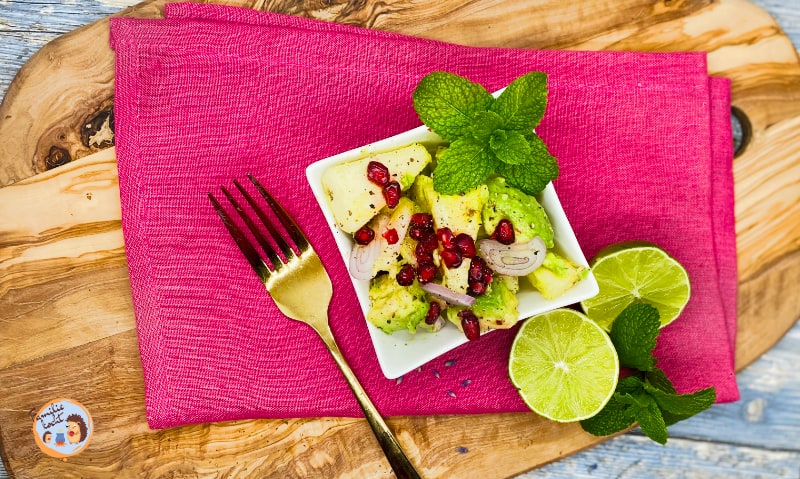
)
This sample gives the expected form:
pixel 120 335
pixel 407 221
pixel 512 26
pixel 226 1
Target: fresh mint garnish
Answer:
pixel 647 396
pixel 489 135
pixel 634 335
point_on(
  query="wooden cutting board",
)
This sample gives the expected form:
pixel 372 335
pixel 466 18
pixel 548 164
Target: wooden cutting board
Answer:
pixel 66 319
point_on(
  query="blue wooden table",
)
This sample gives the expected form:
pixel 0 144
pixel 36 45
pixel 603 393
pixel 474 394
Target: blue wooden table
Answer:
pixel 758 436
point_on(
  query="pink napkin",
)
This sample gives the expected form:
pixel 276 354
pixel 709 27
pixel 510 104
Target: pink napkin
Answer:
pixel 212 93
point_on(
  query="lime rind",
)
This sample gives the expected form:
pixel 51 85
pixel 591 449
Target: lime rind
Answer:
pixel 563 365
pixel 639 273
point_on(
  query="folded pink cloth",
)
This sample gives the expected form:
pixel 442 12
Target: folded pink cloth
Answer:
pixel 212 93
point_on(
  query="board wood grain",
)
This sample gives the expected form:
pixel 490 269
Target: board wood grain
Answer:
pixel 66 321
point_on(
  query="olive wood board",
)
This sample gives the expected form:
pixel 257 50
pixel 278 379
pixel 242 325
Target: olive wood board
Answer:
pixel 66 319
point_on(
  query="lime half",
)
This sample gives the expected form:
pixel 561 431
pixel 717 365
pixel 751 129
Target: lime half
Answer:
pixel 637 272
pixel 563 365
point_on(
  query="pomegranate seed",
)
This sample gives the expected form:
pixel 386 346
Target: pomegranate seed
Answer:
pixel 477 269
pixel 423 256
pixel 421 225
pixel 476 288
pixel 451 258
pixel 429 243
pixel 422 219
pixel 487 276
pixel 426 272
pixel 364 235
pixel 378 173
pixel 416 231
pixel 470 324
pixel 391 193
pixel 391 236
pixel 445 237
pixel 465 245
pixel 433 313
pixel 504 232
pixel 405 277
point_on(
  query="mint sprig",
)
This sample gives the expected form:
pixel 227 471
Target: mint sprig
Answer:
pixel 647 396
pixel 488 135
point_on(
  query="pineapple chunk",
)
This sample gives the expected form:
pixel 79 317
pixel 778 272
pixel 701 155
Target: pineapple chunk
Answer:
pixel 354 199
pixel 556 275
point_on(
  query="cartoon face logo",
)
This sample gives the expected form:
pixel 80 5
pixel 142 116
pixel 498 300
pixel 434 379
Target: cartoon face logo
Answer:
pixel 76 429
pixel 62 428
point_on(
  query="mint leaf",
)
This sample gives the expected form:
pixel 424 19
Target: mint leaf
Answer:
pixel 613 418
pixel 463 166
pixel 523 102
pixel 483 124
pixel 446 103
pixel 616 415
pixel 535 173
pixel 650 420
pixel 676 407
pixel 647 413
pixel 510 147
pixel 657 378
pixel 683 404
pixel 634 334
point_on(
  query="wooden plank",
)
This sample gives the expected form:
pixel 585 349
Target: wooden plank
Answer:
pixel 76 235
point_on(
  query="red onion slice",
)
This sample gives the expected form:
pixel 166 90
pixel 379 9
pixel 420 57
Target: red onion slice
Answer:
pixel 361 259
pixel 400 223
pixel 363 256
pixel 448 295
pixel 516 259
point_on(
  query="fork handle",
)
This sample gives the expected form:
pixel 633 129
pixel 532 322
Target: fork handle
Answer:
pixel 400 463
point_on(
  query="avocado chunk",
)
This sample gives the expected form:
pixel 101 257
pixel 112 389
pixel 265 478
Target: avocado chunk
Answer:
pixel 497 308
pixel 524 211
pixel 354 200
pixel 461 213
pixel 395 307
pixel 556 275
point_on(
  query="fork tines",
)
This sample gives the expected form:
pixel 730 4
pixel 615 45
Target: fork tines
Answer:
pixel 261 228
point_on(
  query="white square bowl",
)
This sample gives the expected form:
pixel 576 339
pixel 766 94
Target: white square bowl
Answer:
pixel 401 352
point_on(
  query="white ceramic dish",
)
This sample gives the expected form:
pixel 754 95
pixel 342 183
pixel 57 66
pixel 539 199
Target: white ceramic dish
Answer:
pixel 402 352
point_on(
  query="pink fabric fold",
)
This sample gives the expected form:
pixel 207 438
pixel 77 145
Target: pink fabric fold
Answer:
pixel 212 93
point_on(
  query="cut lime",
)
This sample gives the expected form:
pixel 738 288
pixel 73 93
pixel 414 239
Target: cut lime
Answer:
pixel 637 272
pixel 563 365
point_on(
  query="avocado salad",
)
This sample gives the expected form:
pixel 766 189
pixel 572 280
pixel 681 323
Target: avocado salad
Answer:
pixel 434 258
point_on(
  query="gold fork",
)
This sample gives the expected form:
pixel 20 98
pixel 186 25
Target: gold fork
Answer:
pixel 291 281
